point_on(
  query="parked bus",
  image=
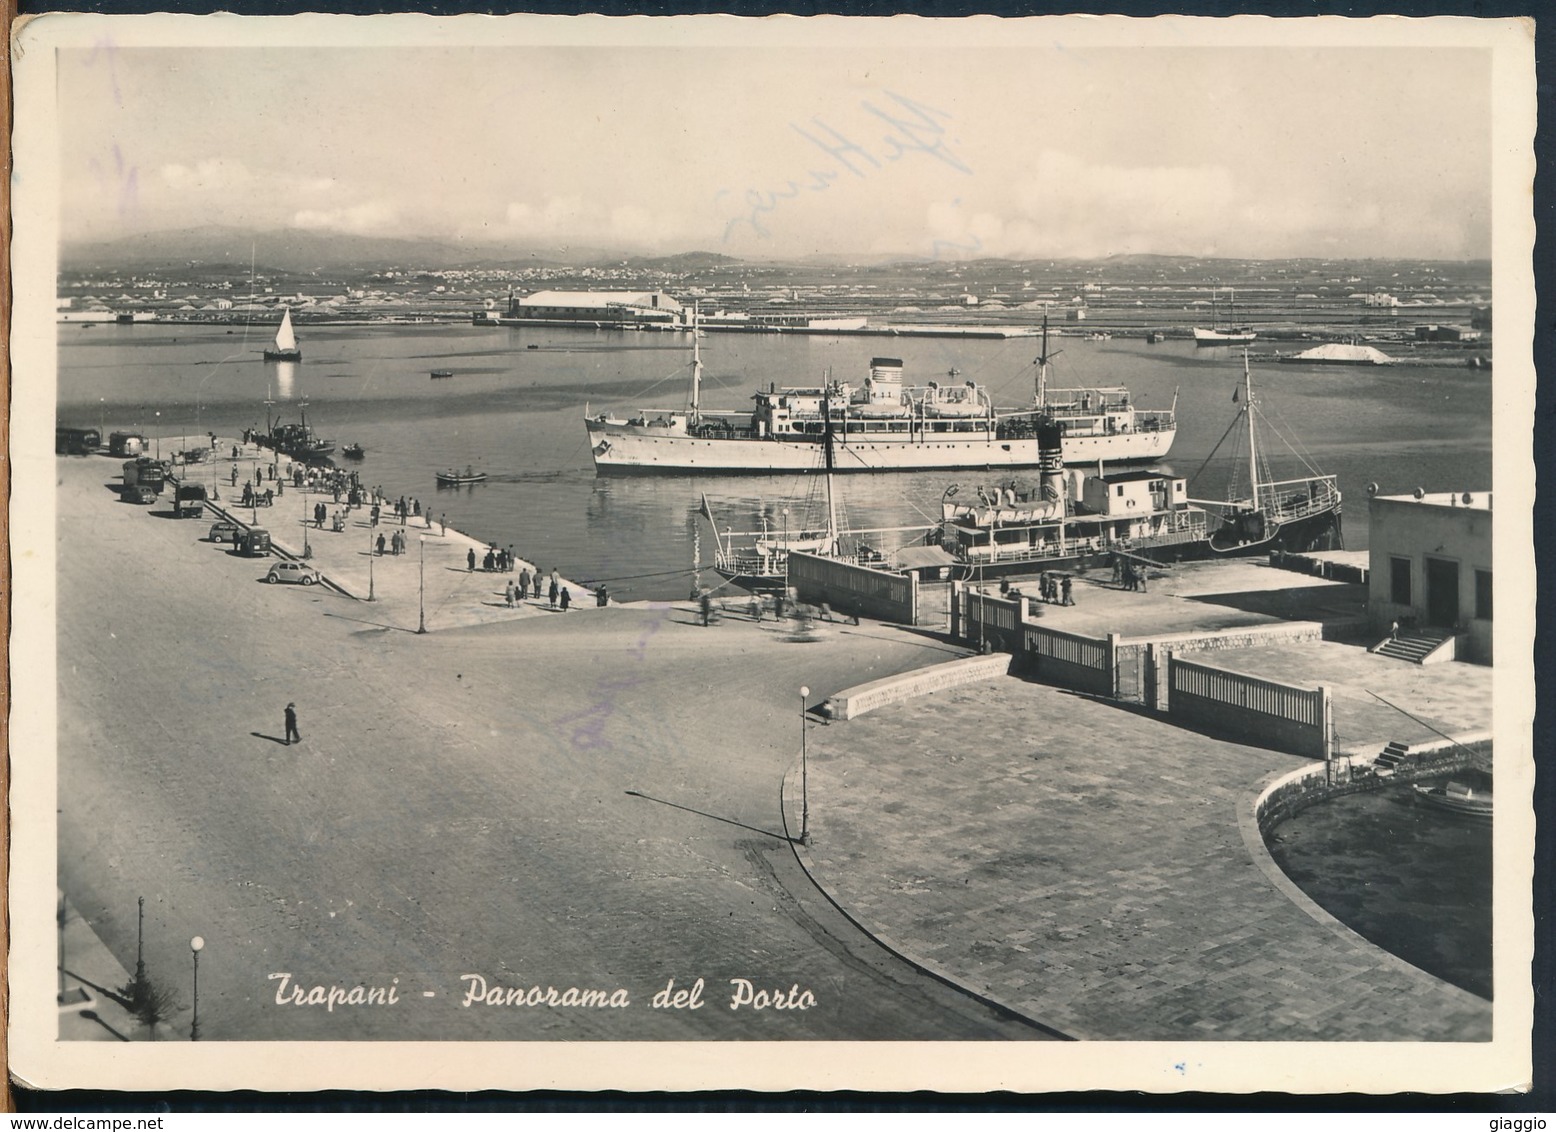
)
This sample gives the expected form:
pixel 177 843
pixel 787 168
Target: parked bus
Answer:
pixel 126 444
pixel 77 441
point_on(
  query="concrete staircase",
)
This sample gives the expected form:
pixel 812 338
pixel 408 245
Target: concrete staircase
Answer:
pixel 1391 758
pixel 1414 645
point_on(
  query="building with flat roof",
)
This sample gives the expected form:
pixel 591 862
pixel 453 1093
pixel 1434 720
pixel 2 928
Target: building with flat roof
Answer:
pixel 596 307
pixel 1430 565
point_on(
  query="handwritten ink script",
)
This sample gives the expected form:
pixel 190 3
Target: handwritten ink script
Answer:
pixel 477 990
pixel 913 129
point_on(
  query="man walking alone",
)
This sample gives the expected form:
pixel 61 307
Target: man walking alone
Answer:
pixel 291 725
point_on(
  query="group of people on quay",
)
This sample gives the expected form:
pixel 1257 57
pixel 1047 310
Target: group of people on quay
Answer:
pixel 1056 589
pixel 347 493
pixel 1128 575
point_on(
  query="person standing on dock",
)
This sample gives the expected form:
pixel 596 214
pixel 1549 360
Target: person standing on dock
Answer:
pixel 567 599
pixel 507 593
pixel 509 561
pixel 444 520
pixel 555 590
pixel 523 582
pixel 470 561
pixel 1068 600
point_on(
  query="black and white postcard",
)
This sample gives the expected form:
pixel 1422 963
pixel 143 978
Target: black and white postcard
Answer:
pixel 796 553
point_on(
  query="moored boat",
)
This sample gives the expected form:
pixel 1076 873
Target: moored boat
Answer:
pixel 1076 520
pixel 1455 797
pixel 298 441
pixel 883 424
pixel 1258 513
pixel 285 347
pixel 1229 335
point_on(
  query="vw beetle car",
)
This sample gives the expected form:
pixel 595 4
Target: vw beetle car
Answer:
pixel 293 572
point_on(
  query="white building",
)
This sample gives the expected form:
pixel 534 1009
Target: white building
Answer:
pixel 1429 558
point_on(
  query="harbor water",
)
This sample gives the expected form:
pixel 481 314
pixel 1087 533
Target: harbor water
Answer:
pixel 1412 879
pixel 514 406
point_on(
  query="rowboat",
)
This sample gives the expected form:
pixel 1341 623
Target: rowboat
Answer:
pixel 1456 798
pixel 455 479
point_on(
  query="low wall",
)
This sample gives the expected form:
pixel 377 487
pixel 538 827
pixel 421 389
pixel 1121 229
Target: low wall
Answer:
pixel 880 594
pixel 1318 782
pixel 1319 567
pixel 1260 713
pixel 853 702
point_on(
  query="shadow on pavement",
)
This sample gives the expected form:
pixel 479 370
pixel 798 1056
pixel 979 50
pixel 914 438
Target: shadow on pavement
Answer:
pixel 272 738
pixel 704 814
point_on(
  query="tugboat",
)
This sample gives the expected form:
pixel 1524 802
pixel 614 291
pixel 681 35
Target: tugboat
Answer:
pixel 353 452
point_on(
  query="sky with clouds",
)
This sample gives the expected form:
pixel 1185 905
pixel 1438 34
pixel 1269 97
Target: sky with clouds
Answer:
pixel 1033 148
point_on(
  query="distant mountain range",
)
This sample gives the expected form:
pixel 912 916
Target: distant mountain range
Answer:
pixel 223 252
pixel 298 251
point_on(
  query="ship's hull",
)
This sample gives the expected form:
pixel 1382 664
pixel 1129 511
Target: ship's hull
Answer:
pixel 635 450
pixel 283 355
pixel 1222 338
pixel 1315 532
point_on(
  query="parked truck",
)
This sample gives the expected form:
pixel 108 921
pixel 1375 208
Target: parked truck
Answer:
pixel 189 501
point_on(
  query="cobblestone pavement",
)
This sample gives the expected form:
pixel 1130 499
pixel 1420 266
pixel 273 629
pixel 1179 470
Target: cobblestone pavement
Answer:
pixel 1083 864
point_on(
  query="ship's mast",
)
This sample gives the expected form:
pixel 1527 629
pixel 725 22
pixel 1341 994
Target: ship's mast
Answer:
pixel 1041 392
pixel 694 401
pixel 832 542
pixel 1253 451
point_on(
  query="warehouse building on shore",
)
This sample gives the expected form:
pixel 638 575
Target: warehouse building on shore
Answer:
pixel 597 308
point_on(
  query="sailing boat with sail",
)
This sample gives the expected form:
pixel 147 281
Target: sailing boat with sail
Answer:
pixel 285 348
pixel 1231 334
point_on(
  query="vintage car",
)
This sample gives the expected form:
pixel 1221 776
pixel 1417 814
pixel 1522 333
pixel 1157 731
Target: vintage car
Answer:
pixel 224 531
pixel 294 572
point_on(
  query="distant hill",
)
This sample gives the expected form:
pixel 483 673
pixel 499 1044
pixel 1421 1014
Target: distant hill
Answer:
pixel 299 251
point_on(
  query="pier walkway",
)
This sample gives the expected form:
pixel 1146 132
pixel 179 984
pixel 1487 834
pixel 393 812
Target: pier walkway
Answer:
pixel 1090 868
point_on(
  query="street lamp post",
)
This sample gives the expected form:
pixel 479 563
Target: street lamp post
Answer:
pixel 140 940
pixel 307 550
pixel 370 564
pixel 159 434
pixel 804 775
pixel 194 949
pixel 421 586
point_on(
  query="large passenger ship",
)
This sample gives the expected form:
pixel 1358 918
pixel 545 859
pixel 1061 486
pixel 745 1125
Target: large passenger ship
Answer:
pixel 880 425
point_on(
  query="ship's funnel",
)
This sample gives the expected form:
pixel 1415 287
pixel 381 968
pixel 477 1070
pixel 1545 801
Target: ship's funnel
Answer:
pixel 886 369
pixel 1050 458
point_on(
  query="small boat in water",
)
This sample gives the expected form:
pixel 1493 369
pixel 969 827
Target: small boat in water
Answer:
pixel 1456 798
pixel 1229 335
pixel 353 451
pixel 455 479
pixel 439 374
pixel 285 347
